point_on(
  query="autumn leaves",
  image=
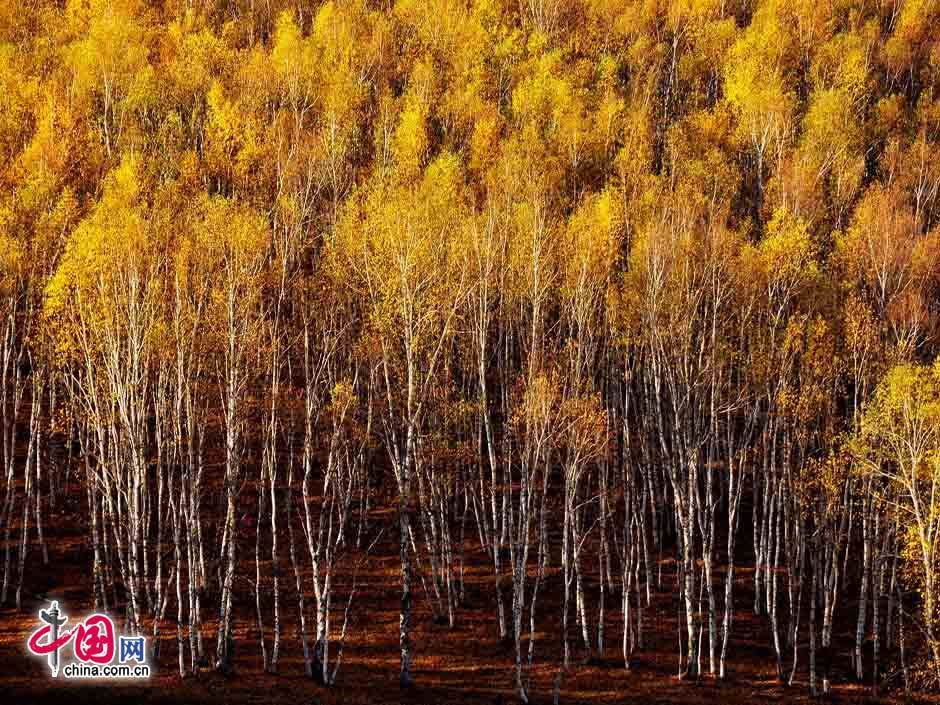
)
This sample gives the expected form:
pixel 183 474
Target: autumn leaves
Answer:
pixel 571 277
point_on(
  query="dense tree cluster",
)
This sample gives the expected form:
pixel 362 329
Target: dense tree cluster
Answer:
pixel 586 282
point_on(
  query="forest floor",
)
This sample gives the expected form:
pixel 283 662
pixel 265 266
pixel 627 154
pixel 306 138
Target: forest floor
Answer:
pixel 466 664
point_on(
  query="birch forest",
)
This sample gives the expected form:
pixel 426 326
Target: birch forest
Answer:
pixel 609 327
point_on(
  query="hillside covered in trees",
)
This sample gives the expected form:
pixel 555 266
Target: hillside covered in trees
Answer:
pixel 608 327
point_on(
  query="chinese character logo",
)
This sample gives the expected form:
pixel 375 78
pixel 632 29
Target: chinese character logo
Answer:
pixel 47 640
pixel 93 644
pixel 132 649
pixel 94 640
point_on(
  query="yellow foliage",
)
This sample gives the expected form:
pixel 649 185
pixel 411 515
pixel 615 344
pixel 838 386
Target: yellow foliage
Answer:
pixel 110 60
pixel 549 113
pixel 410 143
pixel 107 263
pixel 883 256
pixel 402 243
pixel 912 32
pixel 11 261
pixel 592 246
pixel 756 83
pixel 788 256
